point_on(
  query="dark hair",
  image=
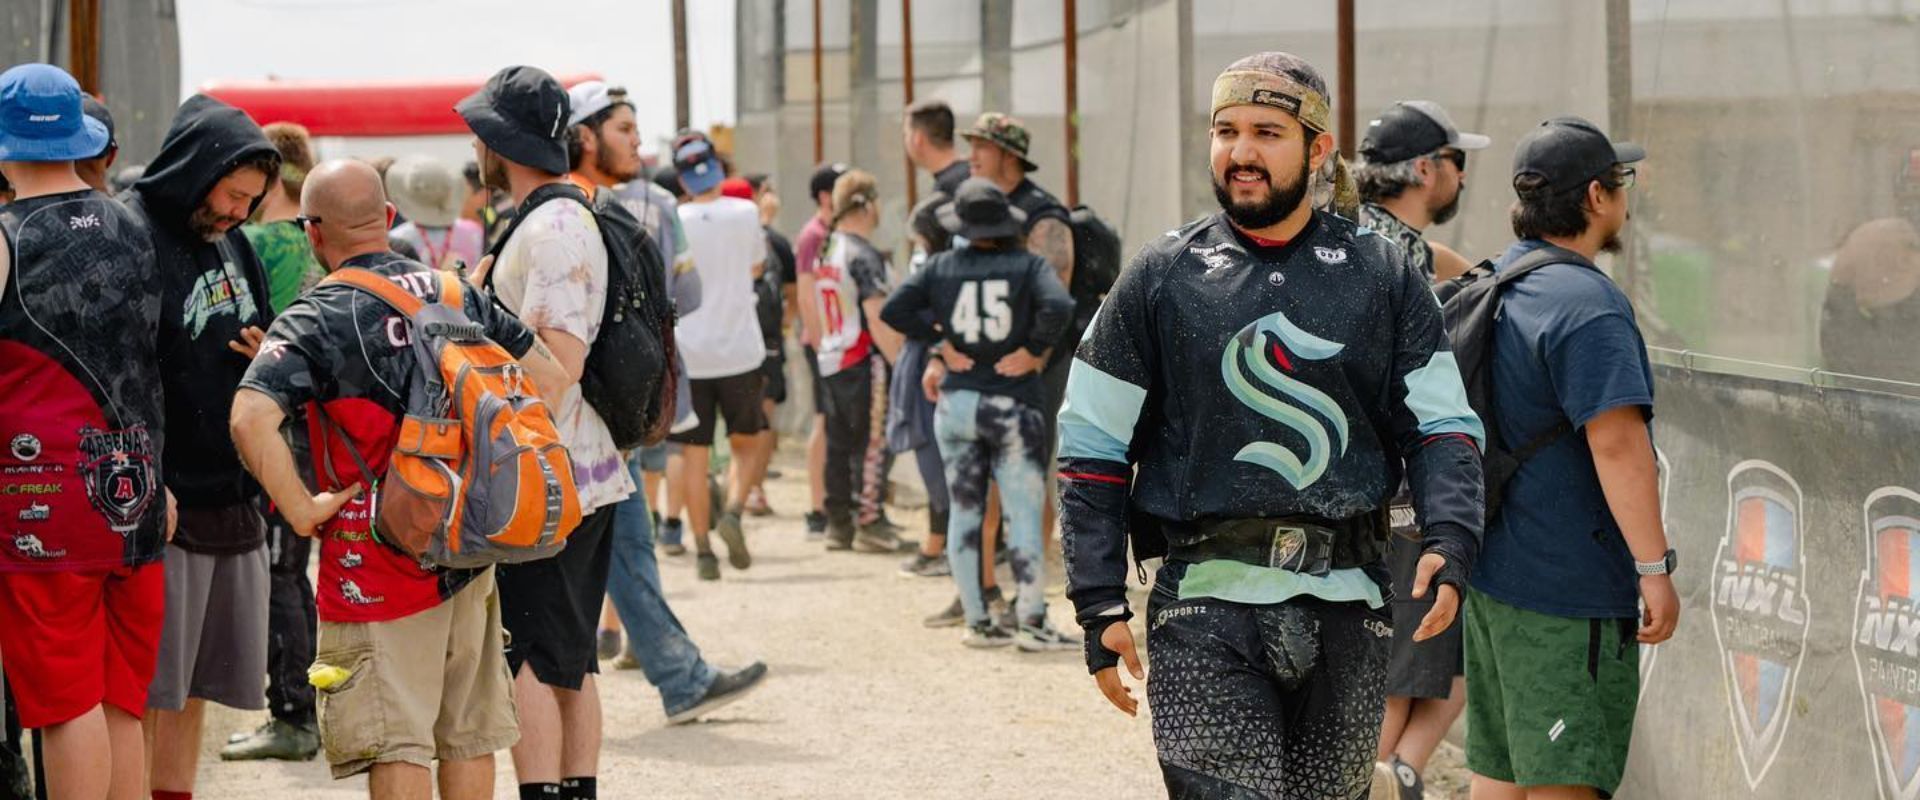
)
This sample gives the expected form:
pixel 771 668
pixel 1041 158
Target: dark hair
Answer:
pixel 472 173
pixel 934 118
pixel 1541 212
pixel 997 243
pixel 4 185
pixel 267 162
pixel 574 146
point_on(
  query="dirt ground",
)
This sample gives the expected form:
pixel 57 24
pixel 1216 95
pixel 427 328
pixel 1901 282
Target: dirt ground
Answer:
pixel 861 700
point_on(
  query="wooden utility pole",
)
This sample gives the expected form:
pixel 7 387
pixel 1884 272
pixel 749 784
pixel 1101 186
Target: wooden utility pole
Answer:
pixel 1072 42
pixel 819 108
pixel 83 44
pixel 682 113
pixel 906 68
pixel 1345 110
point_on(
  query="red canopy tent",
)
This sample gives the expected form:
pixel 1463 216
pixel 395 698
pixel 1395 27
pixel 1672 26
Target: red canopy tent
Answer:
pixel 359 108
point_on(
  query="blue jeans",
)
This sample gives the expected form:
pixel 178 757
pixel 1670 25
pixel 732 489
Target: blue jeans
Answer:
pixel 984 435
pixel 666 654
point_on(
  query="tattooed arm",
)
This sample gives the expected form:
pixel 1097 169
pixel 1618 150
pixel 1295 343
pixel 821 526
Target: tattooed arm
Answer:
pixel 1052 240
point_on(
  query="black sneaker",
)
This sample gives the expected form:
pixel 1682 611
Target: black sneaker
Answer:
pixel 708 566
pixel 982 637
pixel 816 526
pixel 736 539
pixel 875 539
pixel 277 740
pixel 922 565
pixel 951 616
pixel 726 688
pixel 1407 779
pixel 839 534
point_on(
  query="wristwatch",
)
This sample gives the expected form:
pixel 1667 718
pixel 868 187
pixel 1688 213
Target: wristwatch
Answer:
pixel 1664 566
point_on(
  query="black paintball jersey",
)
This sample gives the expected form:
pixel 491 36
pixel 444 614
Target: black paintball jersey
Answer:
pixel 986 304
pixel 1245 380
pixel 81 416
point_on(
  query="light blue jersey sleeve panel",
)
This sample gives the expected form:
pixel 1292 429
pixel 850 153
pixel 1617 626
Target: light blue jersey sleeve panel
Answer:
pixel 1438 400
pixel 1097 418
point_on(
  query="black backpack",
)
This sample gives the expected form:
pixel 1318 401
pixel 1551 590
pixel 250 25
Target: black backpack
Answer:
pixel 1470 304
pixel 630 375
pixel 1096 257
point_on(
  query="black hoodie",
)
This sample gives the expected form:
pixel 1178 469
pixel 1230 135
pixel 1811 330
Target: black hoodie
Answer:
pixel 206 300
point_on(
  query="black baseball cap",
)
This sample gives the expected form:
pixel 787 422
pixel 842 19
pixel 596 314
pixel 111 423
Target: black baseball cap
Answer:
pixel 1414 128
pixel 521 113
pixel 824 176
pixel 1569 151
pixel 980 211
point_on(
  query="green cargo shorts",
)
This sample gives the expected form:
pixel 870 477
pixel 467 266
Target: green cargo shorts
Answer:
pixel 1550 700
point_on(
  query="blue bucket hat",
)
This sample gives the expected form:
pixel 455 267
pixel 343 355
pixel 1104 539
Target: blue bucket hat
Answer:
pixel 42 118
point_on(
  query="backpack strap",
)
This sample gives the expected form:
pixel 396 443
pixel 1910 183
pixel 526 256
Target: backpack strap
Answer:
pixel 1542 257
pixel 539 196
pixel 1520 268
pixel 377 285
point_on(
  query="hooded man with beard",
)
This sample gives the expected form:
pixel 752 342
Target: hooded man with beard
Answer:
pixel 1414 169
pixel 1242 405
pixel 212 171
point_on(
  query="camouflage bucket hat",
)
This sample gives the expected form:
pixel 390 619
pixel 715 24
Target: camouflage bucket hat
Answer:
pixel 1005 132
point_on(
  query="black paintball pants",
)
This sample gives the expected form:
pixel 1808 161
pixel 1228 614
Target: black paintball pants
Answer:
pixel 1282 700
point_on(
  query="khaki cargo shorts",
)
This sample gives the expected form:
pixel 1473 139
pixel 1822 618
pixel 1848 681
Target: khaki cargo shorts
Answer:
pixel 433 685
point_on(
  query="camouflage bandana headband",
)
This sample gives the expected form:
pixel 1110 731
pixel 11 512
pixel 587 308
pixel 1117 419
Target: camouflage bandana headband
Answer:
pixel 1253 87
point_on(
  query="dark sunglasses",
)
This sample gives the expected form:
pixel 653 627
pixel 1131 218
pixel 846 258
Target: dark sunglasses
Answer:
pixel 306 222
pixel 1458 157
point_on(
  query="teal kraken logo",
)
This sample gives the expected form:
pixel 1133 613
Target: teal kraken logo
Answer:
pixel 1267 350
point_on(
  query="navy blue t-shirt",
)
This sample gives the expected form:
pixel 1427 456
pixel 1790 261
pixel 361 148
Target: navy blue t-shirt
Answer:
pixel 1566 347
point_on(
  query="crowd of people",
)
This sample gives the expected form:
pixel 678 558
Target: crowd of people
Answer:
pixel 1268 398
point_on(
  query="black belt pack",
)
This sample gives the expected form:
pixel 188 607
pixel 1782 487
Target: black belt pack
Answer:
pixel 1308 547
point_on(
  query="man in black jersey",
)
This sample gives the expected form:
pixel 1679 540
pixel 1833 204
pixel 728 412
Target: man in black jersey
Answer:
pixel 1242 405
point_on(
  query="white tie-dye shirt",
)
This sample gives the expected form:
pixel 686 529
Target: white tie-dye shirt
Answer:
pixel 553 275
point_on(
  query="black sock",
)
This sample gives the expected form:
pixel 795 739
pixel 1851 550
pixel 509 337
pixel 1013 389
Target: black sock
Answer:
pixel 540 791
pixel 580 788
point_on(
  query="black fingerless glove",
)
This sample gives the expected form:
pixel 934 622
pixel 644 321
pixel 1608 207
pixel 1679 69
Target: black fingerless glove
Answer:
pixel 1453 543
pixel 1098 656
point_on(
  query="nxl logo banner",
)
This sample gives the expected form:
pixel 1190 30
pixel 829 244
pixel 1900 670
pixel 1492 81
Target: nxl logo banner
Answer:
pixel 1886 639
pixel 1760 610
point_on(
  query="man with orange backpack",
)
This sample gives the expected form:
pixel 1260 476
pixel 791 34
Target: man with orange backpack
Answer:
pixel 411 664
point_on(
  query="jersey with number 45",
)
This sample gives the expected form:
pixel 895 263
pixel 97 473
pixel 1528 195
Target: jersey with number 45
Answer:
pixel 985 304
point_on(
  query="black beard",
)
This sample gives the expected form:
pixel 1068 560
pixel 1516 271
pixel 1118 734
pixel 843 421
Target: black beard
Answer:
pixel 206 224
pixel 603 161
pixel 1281 201
pixel 1446 212
pixel 1612 244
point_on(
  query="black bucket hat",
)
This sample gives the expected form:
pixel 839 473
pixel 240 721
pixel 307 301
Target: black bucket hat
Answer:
pixel 521 113
pixel 980 211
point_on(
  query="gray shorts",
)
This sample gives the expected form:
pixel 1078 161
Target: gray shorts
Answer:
pixel 213 644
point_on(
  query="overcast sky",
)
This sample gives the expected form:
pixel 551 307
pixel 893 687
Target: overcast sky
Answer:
pixel 630 42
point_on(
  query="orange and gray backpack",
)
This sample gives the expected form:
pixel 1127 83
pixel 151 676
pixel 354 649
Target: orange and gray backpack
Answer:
pixel 477 475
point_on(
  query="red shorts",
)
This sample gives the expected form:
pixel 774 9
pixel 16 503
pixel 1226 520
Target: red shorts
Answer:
pixel 75 640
